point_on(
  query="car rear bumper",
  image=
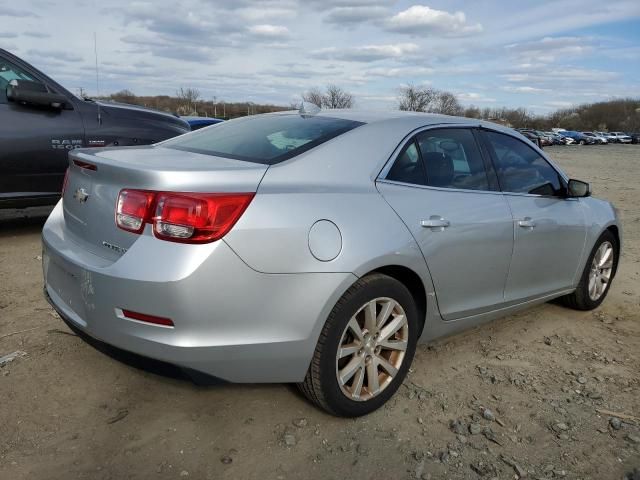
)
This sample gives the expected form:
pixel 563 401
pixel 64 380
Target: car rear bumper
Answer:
pixel 230 321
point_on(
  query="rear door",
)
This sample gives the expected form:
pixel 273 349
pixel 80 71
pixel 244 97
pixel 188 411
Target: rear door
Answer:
pixel 34 142
pixel 549 229
pixel 446 193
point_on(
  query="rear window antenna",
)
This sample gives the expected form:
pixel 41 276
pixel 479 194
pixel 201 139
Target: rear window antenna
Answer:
pixel 95 51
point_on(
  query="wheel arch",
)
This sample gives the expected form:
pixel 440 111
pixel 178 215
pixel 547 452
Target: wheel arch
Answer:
pixel 410 279
pixel 615 231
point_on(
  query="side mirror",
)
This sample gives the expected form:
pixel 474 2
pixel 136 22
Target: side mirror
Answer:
pixel 577 189
pixel 29 92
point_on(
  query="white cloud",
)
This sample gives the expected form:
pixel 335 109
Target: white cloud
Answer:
pixel 525 89
pixel 367 53
pixel 475 97
pixel 551 49
pixel 355 15
pixel 399 71
pixel 423 21
pixel 269 31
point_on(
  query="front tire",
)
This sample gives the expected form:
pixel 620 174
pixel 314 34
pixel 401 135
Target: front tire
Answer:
pixel 597 275
pixel 365 348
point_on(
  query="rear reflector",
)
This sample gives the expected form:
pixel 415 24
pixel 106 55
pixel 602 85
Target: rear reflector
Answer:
pixel 143 317
pixel 181 217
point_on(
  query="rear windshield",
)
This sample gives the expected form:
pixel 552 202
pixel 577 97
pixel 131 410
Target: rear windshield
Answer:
pixel 266 139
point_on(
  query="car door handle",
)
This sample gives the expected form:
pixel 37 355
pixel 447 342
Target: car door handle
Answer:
pixel 526 222
pixel 436 223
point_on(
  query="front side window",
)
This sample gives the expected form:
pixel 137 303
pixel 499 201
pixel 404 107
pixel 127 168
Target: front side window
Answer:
pixel 8 72
pixel 452 159
pixel 521 169
pixel 266 139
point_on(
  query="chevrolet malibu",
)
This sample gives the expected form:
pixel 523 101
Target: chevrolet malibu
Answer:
pixel 319 249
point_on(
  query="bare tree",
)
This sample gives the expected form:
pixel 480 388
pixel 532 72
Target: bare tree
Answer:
pixel 314 96
pixel 336 97
pixel 417 99
pixel 190 97
pixel 446 103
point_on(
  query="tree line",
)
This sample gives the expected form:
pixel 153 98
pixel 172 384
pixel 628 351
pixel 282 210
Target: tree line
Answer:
pixel 612 115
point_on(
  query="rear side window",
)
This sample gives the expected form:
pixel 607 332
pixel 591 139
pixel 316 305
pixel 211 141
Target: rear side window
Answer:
pixel 521 169
pixel 408 167
pixel 266 139
pixel 452 159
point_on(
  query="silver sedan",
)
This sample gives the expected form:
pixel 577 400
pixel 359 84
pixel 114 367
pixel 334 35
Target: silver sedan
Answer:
pixel 319 248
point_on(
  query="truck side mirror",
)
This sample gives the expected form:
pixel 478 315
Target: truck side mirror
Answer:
pixel 577 189
pixel 29 92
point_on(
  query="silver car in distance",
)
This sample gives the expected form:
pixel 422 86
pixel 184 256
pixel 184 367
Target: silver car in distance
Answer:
pixel 320 248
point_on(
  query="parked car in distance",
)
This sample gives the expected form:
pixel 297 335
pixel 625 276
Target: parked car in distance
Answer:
pixel 555 139
pixel 635 137
pixel 599 139
pixel 196 123
pixel 560 139
pixel 41 121
pixel 318 249
pixel 532 136
pixel 579 138
pixel 619 137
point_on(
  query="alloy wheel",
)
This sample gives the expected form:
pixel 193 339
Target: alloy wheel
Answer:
pixel 372 349
pixel 601 268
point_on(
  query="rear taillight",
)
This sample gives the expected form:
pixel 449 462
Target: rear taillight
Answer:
pixel 181 217
pixel 132 209
pixel 64 182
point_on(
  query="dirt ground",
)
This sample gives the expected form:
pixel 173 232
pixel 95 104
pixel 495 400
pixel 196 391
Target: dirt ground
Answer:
pixel 548 377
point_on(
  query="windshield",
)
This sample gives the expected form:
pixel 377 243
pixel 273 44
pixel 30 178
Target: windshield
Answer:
pixel 266 139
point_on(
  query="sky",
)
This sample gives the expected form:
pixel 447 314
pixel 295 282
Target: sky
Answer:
pixel 541 55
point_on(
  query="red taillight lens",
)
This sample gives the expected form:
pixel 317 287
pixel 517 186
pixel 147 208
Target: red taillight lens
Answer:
pixel 64 182
pixel 197 217
pixel 181 217
pixel 132 209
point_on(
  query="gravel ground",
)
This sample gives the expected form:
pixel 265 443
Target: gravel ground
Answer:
pixel 528 395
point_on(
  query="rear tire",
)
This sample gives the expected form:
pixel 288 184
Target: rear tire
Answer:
pixel 583 297
pixel 380 364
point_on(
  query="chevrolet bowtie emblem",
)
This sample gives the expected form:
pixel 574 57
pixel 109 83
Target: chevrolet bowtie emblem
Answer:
pixel 81 195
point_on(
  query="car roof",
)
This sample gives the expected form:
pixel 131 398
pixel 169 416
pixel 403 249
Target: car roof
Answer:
pixel 402 119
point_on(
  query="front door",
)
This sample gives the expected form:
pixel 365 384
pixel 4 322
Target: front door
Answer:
pixel 441 188
pixel 34 142
pixel 549 229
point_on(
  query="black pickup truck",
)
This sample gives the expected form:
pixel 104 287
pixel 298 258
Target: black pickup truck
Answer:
pixel 40 121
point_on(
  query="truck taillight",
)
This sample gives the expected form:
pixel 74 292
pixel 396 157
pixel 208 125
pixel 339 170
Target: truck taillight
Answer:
pixel 65 181
pixel 181 217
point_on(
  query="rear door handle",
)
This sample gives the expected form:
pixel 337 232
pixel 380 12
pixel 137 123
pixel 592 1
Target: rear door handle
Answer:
pixel 435 223
pixel 526 222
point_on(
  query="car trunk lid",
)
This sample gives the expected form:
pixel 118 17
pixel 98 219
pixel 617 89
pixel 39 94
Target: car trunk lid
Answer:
pixel 95 179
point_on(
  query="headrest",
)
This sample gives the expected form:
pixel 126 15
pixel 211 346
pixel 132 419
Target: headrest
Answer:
pixel 439 169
